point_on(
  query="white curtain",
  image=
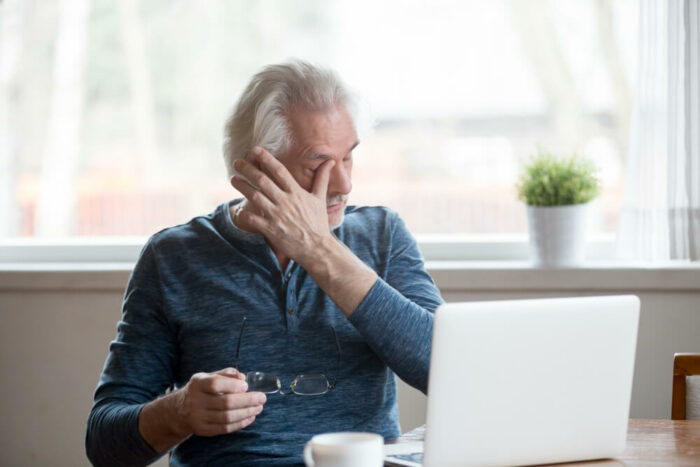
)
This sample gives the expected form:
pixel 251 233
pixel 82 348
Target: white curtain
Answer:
pixel 660 218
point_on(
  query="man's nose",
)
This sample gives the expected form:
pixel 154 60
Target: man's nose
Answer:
pixel 340 179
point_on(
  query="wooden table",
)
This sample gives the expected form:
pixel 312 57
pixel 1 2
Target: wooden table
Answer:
pixel 649 442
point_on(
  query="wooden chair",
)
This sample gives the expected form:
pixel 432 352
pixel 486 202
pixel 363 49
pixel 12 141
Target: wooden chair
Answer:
pixel 684 364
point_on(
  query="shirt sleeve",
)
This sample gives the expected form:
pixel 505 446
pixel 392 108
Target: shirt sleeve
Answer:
pixel 396 315
pixel 139 367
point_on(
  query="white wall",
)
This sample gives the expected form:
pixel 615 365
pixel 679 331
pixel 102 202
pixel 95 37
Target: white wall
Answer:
pixel 55 328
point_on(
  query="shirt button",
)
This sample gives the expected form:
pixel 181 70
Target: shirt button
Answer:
pixel 291 311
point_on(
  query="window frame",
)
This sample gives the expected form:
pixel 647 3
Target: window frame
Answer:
pixel 434 247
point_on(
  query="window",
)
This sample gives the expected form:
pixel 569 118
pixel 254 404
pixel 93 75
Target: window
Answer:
pixel 111 112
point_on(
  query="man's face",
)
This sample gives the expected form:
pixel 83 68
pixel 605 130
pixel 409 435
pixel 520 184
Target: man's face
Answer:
pixel 317 137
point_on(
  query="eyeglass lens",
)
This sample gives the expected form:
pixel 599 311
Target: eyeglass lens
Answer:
pixel 303 385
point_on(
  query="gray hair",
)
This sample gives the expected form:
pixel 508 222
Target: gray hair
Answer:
pixel 259 118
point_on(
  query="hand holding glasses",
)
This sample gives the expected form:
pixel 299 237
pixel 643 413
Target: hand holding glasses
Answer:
pixel 310 384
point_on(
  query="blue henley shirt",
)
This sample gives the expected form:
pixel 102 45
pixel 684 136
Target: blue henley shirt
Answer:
pixel 182 313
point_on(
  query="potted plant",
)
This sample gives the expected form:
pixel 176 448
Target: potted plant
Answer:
pixel 557 192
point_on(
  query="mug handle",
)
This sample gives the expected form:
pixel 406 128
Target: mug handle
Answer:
pixel 308 455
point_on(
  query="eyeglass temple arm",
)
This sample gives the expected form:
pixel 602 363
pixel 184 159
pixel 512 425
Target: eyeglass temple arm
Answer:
pixel 337 369
pixel 240 337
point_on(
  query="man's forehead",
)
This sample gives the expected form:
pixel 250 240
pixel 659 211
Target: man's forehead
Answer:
pixel 316 123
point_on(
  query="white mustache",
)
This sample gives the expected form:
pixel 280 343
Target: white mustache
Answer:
pixel 336 199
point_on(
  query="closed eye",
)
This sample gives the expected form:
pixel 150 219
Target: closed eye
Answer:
pixel 347 158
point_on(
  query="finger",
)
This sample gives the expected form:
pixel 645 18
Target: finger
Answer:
pixel 235 401
pixel 210 383
pixel 213 429
pixel 258 179
pixel 238 425
pixel 229 417
pixel 231 373
pixel 210 403
pixel 256 197
pixel 256 221
pixel 240 401
pixel 273 168
pixel 323 174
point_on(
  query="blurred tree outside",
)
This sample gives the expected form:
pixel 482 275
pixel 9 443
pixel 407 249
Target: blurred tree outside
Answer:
pixel 10 50
pixel 55 208
pixel 111 112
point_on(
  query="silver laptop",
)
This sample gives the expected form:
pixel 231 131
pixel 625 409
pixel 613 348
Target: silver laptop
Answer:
pixel 528 382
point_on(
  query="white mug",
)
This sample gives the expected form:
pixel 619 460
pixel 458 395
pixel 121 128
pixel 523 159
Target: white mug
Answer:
pixel 345 449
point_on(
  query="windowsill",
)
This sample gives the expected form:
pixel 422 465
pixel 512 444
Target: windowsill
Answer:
pixel 598 275
pixel 449 275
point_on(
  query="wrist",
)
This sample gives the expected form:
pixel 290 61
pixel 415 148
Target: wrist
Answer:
pixel 321 256
pixel 161 423
pixel 344 277
pixel 180 425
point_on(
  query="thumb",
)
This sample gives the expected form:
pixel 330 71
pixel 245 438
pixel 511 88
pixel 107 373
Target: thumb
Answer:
pixel 320 187
pixel 231 373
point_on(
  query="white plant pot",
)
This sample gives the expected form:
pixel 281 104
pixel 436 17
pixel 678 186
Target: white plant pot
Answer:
pixel 557 235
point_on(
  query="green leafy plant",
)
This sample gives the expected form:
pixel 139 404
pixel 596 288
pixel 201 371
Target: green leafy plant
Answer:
pixel 550 181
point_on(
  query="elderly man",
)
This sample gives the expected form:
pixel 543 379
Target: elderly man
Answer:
pixel 287 285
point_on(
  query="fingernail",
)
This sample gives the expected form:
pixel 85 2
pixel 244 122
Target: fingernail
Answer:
pixel 245 386
pixel 261 399
pixel 257 150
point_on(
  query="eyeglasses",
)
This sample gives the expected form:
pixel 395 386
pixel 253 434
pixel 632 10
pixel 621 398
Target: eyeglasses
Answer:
pixel 312 384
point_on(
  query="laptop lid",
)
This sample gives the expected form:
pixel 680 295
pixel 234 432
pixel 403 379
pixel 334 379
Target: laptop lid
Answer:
pixel 530 381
